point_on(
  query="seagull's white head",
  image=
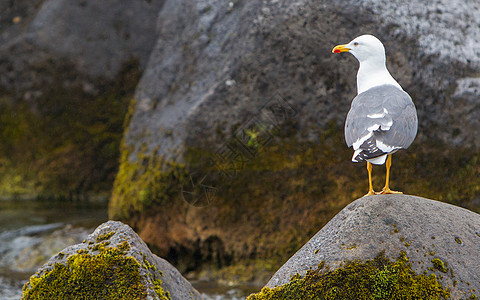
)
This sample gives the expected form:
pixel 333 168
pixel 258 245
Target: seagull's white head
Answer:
pixel 370 53
pixel 364 48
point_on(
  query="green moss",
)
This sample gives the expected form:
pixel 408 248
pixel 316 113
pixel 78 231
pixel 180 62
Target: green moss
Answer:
pixel 125 246
pixel 100 246
pixel 147 264
pixel 108 275
pixel 439 265
pixel 373 279
pixel 66 142
pixel 141 184
pixel 80 251
pixel 105 236
pixel 157 286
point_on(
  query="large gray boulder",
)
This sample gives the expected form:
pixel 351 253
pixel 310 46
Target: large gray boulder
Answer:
pixel 216 63
pixel 426 230
pixel 112 246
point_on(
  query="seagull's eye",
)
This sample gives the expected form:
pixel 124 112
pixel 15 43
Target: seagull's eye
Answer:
pixel 355 44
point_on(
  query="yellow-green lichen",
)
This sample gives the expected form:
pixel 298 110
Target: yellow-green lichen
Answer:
pixel 108 275
pixel 321 265
pixel 373 279
pixel 105 236
pixel 439 265
pixel 157 286
pixel 125 246
pixel 80 251
pixel 148 265
pixel 100 246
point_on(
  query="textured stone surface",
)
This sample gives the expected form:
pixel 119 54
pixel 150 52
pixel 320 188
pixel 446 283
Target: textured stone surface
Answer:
pixel 425 229
pixel 115 233
pixel 215 64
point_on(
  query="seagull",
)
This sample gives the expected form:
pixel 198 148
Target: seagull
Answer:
pixel 382 117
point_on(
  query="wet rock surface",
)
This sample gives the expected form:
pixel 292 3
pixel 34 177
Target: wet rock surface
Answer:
pixel 438 238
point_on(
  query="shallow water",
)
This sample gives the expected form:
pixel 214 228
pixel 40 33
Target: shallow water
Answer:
pixel 33 231
pixel 27 238
pixel 213 291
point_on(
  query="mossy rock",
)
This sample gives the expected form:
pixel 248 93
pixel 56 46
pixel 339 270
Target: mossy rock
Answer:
pixel 112 263
pixel 68 146
pixel 378 278
pixel 387 223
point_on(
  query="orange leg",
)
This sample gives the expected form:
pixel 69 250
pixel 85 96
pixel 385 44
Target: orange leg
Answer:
pixel 386 189
pixel 370 185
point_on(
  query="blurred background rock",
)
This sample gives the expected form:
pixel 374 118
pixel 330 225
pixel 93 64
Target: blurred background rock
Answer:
pixel 68 71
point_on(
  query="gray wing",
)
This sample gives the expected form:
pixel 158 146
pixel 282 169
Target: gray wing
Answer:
pixel 381 120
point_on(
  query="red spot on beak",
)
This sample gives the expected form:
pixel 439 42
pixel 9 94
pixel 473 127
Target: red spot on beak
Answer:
pixel 340 48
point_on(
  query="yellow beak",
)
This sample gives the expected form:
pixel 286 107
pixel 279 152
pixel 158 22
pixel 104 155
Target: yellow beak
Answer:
pixel 340 48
